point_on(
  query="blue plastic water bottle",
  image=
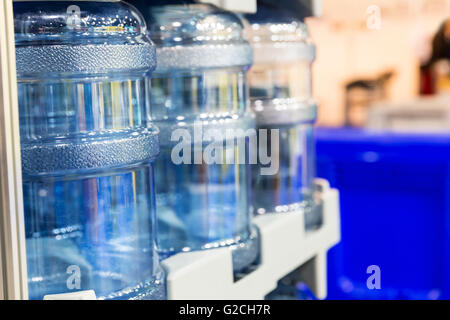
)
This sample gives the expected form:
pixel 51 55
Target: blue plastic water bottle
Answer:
pixel 199 91
pixel 281 96
pixel 87 149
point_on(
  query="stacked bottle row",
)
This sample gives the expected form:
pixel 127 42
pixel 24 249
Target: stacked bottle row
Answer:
pixel 281 97
pixel 126 156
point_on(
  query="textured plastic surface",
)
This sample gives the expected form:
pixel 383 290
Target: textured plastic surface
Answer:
pixel 139 147
pixel 394 202
pixel 85 58
pixel 205 56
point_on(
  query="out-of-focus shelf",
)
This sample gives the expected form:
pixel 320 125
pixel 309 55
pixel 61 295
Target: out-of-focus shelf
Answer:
pixel 285 246
pixel 247 6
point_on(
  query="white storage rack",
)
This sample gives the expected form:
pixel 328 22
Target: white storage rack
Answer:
pixel 285 246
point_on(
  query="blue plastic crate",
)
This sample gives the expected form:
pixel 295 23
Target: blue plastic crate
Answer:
pixel 395 212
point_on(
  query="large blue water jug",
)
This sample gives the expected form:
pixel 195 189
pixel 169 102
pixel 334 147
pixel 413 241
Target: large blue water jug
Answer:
pixel 281 97
pixel 199 91
pixel 87 149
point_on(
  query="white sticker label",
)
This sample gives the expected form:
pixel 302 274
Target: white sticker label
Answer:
pixel 80 295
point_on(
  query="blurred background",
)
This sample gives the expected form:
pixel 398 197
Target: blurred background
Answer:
pixel 382 80
pixel 371 51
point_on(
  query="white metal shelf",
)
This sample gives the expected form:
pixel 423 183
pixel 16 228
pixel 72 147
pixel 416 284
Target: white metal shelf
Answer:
pixel 247 6
pixel 285 246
